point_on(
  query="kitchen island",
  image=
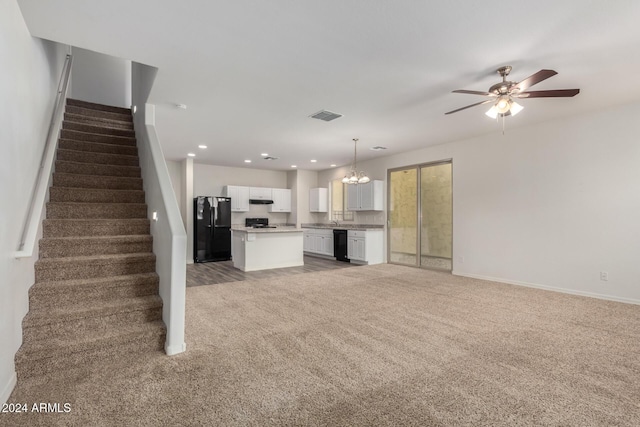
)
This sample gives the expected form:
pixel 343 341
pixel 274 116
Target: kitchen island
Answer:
pixel 265 248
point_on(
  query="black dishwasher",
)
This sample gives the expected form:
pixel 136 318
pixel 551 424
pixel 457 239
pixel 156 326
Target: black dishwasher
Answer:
pixel 340 245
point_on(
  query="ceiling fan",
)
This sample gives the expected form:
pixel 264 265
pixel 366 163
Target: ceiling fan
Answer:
pixel 502 94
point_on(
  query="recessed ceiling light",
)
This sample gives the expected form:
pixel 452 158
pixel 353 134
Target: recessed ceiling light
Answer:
pixel 191 154
pixel 264 154
pixel 247 161
pixel 332 165
pixel 202 146
pixel 313 161
pixel 294 166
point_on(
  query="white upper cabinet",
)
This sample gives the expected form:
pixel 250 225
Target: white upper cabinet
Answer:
pixel 281 200
pixel 239 197
pixel 365 197
pixel 318 200
pixel 260 193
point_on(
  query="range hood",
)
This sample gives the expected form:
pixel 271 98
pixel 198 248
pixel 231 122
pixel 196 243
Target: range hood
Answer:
pixel 260 202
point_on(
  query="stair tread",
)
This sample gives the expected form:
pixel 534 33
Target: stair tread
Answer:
pixel 92 112
pixel 105 221
pixel 117 237
pixel 97 258
pixel 54 348
pixel 97 153
pixel 97 125
pixel 86 176
pixel 77 135
pixel 80 204
pixel 101 190
pixel 100 130
pixel 90 308
pixel 69 116
pixel 97 145
pixel 95 106
pixel 85 163
pixel 97 281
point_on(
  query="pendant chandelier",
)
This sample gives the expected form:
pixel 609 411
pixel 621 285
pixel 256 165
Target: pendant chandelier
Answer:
pixel 355 177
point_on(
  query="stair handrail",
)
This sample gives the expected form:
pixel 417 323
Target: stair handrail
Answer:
pixel 39 195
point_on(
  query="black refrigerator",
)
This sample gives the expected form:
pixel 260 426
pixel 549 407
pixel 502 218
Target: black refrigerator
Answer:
pixel 211 228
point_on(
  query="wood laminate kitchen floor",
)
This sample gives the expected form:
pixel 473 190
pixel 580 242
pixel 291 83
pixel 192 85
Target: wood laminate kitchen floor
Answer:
pixel 210 273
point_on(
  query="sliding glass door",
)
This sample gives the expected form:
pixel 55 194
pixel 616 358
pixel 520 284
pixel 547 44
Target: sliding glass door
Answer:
pixel 420 215
pixel 403 216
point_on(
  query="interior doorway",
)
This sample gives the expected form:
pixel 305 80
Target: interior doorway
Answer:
pixel 420 213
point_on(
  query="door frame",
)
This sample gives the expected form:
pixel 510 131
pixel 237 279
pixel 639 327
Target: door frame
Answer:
pixel 418 167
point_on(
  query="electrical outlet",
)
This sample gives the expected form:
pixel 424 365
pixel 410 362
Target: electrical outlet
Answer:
pixel 604 276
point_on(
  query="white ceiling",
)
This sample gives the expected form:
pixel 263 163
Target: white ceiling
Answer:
pixel 252 71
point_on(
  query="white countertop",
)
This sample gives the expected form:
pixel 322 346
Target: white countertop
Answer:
pixel 283 229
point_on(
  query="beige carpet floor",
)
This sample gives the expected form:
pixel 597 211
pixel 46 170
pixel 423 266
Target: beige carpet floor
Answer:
pixel 380 345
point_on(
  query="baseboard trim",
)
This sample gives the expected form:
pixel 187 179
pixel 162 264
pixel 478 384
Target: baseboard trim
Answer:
pixel 172 350
pixel 550 288
pixel 8 388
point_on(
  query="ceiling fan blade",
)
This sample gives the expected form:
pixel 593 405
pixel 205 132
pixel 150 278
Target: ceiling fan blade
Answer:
pixel 558 93
pixel 534 79
pixel 474 92
pixel 472 105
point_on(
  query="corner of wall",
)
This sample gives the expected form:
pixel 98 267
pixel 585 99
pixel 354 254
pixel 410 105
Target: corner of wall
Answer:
pixel 8 387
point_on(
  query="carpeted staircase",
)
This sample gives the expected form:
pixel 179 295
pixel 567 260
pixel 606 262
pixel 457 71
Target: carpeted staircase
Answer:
pixel 95 295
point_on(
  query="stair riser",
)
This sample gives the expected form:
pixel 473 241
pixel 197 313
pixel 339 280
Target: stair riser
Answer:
pixel 98 211
pixel 98 129
pixel 29 366
pixel 96 147
pixel 81 269
pixel 72 329
pixel 93 181
pixel 98 228
pixel 57 248
pixel 44 300
pixel 89 112
pixel 98 121
pixel 98 170
pixel 95 137
pixel 86 195
pixel 97 107
pixel 99 158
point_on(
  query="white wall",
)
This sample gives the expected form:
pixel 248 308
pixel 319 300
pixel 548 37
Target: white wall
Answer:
pixel 548 205
pixel 101 78
pixel 30 73
pixel 305 181
pixel 174 169
pixel 209 180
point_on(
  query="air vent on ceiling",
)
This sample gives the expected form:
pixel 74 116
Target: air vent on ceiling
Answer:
pixel 325 115
pixel 377 148
pixel 270 158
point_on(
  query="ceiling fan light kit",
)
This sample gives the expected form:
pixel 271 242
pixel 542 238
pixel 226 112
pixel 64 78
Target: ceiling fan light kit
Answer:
pixel 355 177
pixel 502 95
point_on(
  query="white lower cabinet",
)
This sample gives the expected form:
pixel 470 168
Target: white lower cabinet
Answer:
pixel 318 241
pixel 365 246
